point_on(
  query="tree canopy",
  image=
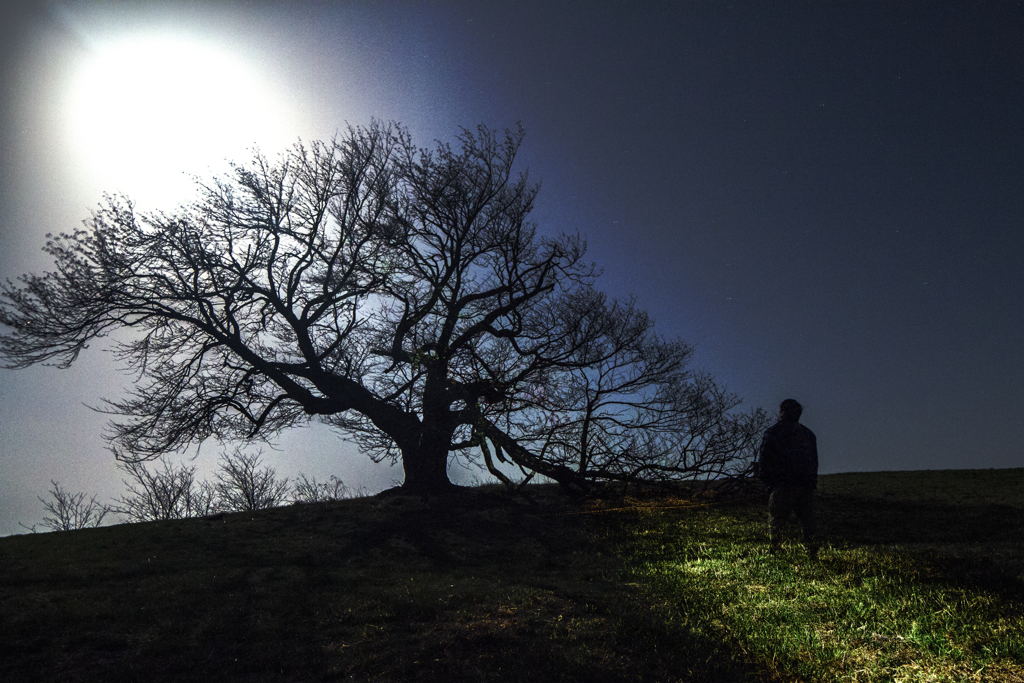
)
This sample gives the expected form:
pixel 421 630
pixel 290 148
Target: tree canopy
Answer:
pixel 399 294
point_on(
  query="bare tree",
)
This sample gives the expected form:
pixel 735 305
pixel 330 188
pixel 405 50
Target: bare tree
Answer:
pixel 309 490
pixel 623 406
pixel 168 492
pixel 242 484
pixel 70 510
pixel 398 294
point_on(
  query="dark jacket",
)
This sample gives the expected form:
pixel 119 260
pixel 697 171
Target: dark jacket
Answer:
pixel 788 456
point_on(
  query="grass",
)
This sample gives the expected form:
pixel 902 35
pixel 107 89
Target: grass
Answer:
pixel 937 609
pixel 921 579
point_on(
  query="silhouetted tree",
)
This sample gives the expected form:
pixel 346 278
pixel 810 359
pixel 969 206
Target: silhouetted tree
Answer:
pixel 309 490
pixel 398 294
pixel 71 510
pixel 168 492
pixel 242 484
pixel 626 407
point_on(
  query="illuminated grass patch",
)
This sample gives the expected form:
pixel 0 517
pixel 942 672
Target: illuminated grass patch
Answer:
pixel 857 614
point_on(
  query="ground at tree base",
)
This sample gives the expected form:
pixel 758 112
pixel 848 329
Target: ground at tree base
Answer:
pixel 486 586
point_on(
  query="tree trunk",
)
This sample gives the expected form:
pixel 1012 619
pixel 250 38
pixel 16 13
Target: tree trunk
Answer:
pixel 425 472
pixel 426 464
pixel 425 459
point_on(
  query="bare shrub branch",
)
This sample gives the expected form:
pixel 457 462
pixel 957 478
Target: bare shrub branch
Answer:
pixel 241 484
pixel 309 490
pixel 71 510
pixel 167 492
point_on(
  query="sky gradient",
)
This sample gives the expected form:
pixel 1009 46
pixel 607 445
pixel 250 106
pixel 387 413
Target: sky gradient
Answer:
pixel 825 199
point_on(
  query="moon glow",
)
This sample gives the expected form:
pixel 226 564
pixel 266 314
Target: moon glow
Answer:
pixel 145 113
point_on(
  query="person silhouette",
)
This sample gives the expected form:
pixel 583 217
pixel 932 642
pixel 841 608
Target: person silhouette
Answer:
pixel 788 466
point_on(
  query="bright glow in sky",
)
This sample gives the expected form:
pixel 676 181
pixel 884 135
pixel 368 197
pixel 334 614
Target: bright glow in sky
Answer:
pixel 145 111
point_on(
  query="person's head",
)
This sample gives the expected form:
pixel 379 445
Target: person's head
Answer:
pixel 790 410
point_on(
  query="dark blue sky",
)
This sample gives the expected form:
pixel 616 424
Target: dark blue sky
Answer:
pixel 826 199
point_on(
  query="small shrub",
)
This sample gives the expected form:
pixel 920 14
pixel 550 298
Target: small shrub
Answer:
pixel 241 484
pixel 309 490
pixel 168 493
pixel 70 510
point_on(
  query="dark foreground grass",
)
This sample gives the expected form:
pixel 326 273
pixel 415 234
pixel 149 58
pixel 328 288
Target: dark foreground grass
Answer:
pixel 479 587
pixel 482 587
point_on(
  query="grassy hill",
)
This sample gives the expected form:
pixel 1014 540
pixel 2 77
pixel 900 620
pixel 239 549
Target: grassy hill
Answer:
pixel 921 579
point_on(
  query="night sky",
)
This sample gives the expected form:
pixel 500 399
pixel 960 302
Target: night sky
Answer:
pixel 825 199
